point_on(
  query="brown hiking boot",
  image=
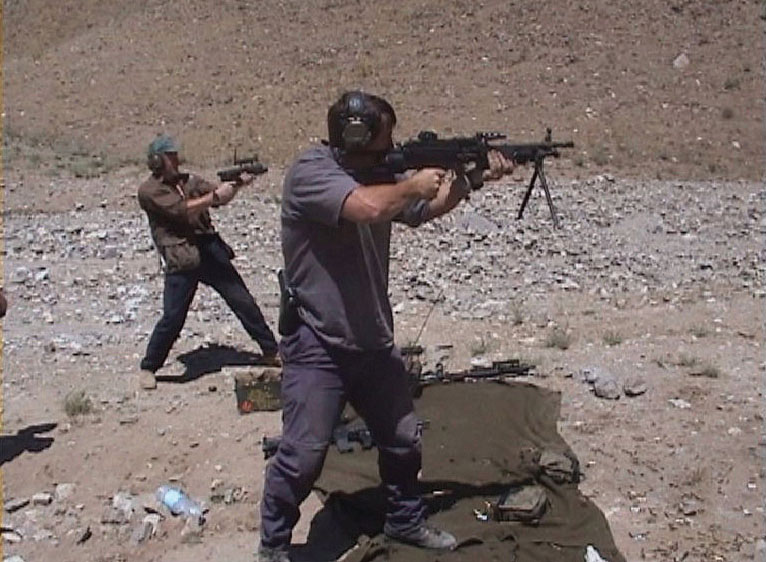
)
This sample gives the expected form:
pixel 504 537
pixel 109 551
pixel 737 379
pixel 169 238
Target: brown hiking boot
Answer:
pixel 146 380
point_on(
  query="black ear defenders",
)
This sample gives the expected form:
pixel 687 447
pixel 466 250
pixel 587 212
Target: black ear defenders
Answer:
pixel 360 122
pixel 155 163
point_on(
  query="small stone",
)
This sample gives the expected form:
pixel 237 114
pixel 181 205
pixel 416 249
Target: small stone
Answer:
pixel 10 536
pixel 635 386
pixel 113 516
pixel 681 61
pixel 590 374
pixel 143 531
pixel 689 507
pixel 15 505
pixel 43 535
pixel 64 491
pixel 192 532
pixel 42 498
pixel 228 496
pixel 20 275
pixel 607 387
pixel 83 535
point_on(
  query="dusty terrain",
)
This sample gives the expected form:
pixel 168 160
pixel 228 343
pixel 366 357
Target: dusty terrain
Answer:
pixel 657 271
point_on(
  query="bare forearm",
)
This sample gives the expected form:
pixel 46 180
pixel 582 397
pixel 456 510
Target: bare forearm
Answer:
pixel 199 204
pixel 377 203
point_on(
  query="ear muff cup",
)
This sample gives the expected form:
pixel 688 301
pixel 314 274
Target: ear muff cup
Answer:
pixel 360 122
pixel 155 163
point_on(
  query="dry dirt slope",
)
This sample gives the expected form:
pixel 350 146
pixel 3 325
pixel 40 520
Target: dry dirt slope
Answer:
pixel 89 77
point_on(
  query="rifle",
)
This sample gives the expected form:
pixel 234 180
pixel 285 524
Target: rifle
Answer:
pixel 499 369
pixel 342 437
pixel 243 165
pixel 457 153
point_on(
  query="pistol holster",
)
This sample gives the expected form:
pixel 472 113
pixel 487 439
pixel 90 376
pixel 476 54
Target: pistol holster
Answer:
pixel 289 316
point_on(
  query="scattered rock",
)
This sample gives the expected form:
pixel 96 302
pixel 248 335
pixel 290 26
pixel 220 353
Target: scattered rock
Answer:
pixel 192 531
pixel 82 535
pixel 607 387
pixel 16 504
pixel 11 536
pixel 689 507
pixel 42 498
pixel 680 403
pixel 681 61
pixel 64 491
pixel 146 529
pixel 635 386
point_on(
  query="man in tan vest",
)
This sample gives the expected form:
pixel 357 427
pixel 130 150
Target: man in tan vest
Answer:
pixel 177 206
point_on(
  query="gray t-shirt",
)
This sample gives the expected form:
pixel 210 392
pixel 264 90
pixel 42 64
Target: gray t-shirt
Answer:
pixel 338 268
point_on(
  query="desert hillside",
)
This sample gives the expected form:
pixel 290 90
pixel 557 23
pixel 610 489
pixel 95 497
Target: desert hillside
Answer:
pixel 653 88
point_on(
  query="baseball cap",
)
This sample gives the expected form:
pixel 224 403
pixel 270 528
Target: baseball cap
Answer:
pixel 163 143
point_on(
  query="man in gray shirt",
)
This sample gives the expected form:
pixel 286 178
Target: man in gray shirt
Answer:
pixel 337 207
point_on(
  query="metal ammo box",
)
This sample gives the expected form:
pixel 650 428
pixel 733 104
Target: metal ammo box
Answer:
pixel 258 390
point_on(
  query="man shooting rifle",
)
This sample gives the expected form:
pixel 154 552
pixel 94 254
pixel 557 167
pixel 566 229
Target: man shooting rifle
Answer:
pixel 192 252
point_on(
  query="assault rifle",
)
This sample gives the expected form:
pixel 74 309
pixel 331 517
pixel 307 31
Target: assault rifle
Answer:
pixel 459 153
pixel 497 371
pixel 342 437
pixel 243 165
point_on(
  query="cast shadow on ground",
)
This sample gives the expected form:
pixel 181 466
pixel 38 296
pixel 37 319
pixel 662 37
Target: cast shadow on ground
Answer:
pixel 345 518
pixel 211 359
pixel 11 446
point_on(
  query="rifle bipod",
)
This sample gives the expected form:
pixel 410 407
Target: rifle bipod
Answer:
pixel 539 172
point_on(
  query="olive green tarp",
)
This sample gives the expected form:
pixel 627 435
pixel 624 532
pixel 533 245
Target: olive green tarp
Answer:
pixel 477 443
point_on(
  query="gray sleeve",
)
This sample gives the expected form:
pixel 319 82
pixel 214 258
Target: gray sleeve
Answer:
pixel 316 188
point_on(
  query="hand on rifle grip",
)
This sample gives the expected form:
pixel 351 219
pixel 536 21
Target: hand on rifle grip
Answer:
pixel 245 178
pixel 499 165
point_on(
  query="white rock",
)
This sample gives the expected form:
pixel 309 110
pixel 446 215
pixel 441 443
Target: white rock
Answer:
pixel 42 498
pixel 681 61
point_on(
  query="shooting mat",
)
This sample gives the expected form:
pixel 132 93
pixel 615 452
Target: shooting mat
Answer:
pixel 476 445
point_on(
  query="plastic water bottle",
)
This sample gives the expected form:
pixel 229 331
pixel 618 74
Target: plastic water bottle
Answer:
pixel 179 503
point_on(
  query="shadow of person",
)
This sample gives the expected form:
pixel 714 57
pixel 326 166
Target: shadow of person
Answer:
pixel 11 446
pixel 347 517
pixel 211 359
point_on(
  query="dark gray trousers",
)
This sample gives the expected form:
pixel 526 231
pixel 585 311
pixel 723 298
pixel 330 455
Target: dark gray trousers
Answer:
pixel 317 382
pixel 217 271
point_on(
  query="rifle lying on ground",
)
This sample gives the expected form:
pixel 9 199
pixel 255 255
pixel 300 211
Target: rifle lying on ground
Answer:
pixel 344 434
pixel 459 153
pixel 497 371
pixel 342 437
pixel 243 165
